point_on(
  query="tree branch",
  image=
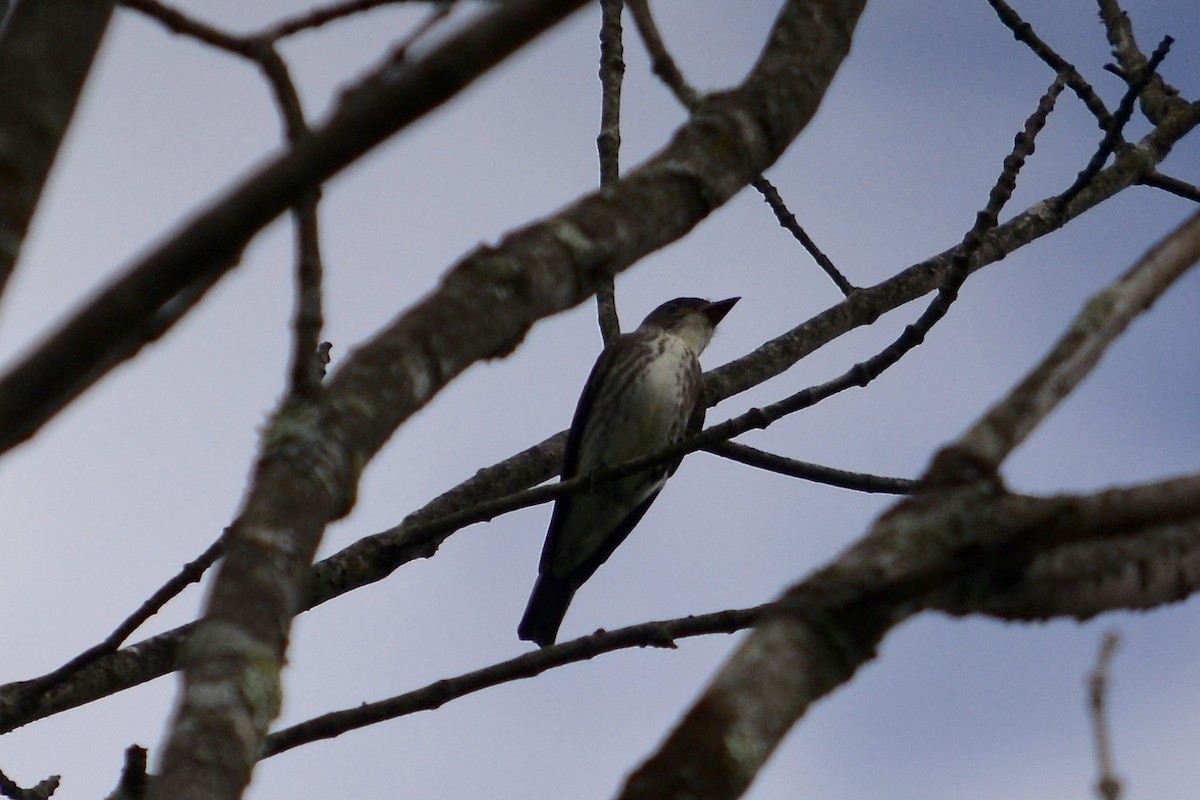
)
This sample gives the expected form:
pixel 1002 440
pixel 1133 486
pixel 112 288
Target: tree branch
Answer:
pixel 39 96
pixel 1072 358
pixel 132 311
pixel 961 522
pixel 1024 33
pixel 312 453
pixel 1108 785
pixel 375 557
pixel 1034 524
pixel 859 482
pixel 608 141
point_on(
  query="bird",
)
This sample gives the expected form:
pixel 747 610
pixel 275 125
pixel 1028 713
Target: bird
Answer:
pixel 645 392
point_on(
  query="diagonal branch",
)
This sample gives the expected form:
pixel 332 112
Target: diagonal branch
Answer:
pixel 375 557
pixel 835 620
pixel 1113 137
pixel 130 312
pixel 1072 358
pixel 46 53
pixel 313 452
pixel 1081 519
pixel 668 71
pixel 1024 33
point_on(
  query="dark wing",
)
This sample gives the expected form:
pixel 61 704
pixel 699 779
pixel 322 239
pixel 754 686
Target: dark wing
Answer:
pixel 611 542
pixel 583 409
pixel 695 422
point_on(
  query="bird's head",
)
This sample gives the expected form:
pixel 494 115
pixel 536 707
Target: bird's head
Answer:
pixel 690 318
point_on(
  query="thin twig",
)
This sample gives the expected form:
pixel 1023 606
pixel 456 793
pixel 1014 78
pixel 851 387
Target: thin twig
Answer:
pixel 608 142
pixel 913 335
pixel 1188 191
pixel 858 481
pixel 1108 785
pixel 1072 358
pixel 661 62
pixel 649 634
pixel 1112 137
pixel 183 24
pixel 316 17
pixel 668 71
pixel 308 318
pixel 788 220
pixel 1023 32
pixel 191 573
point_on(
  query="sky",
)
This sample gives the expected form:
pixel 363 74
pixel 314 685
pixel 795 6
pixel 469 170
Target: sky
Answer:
pixel 144 472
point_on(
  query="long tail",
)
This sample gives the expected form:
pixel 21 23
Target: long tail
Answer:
pixel 544 613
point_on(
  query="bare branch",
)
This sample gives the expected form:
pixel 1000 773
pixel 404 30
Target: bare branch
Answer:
pixel 140 304
pixel 1024 33
pixel 1104 317
pixel 309 316
pixel 1112 137
pixel 312 453
pixel 39 100
pixel 1108 786
pixel 668 71
pixel 437 694
pixel 323 15
pixel 892 563
pixel 182 24
pixel 1159 99
pixel 823 629
pixel 789 222
pixel 1188 191
pixel 34 690
pixel 45 789
pixel 660 59
pixel 608 142
pixel 960 523
pixel 913 335
pixel 858 481
pixel 375 557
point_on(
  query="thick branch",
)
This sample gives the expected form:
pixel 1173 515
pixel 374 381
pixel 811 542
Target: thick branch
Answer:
pixel 128 314
pixel 1072 358
pixel 46 52
pixel 960 523
pixel 375 557
pixel 1111 523
pixel 313 452
pixel 831 624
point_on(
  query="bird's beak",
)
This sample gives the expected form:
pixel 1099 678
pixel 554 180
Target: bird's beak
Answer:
pixel 717 310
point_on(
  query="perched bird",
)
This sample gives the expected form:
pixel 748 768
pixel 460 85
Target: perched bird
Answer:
pixel 645 392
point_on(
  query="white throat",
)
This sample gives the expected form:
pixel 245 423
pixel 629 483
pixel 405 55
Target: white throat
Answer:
pixel 695 331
